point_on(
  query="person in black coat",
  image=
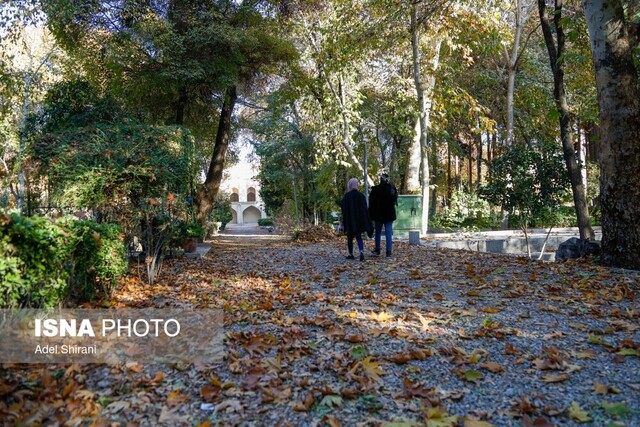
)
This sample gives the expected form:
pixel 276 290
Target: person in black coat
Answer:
pixel 355 217
pixel 382 210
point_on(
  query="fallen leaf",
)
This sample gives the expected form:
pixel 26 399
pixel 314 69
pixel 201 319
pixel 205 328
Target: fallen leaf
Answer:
pixel 331 421
pixel 231 405
pixel 538 422
pixel 172 417
pixel 118 405
pixel 492 367
pixel 629 352
pixel 381 317
pixel 176 398
pixel 303 406
pixel 438 417
pixel 402 358
pixel 490 310
pixel 476 423
pixel 332 401
pixel 576 413
pixel 599 388
pixel 553 378
pixel 372 369
pixel 616 409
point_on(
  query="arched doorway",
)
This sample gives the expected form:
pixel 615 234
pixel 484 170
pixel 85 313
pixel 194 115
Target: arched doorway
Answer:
pixel 251 215
pixel 234 216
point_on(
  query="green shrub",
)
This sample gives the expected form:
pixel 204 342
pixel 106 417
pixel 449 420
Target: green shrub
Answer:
pixel 184 229
pixel 98 259
pixel 265 222
pixel 34 261
pixel 43 263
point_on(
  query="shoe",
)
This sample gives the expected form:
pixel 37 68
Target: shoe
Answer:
pixel 351 257
pixel 375 252
pixel 388 254
pixel 361 256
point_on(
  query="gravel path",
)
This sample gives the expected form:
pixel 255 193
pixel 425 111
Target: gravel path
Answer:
pixel 435 337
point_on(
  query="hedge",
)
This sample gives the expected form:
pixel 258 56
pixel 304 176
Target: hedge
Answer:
pixel 44 263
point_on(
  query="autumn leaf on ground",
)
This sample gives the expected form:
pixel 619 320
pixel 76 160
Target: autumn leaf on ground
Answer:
pixel 372 369
pixel 331 421
pixel 438 417
pixel 176 398
pixel 303 406
pixel 171 417
pixel 401 423
pixel 332 401
pixel 538 422
pixel 492 367
pixel 599 388
pixel 586 354
pixel 476 423
pixel 469 375
pixel 553 378
pixel 629 352
pixel 424 322
pixel 402 358
pixel 417 389
pixel 118 406
pixel 616 409
pixel 576 413
pixel 523 406
pixel 381 317
pixel 354 338
pixel 230 405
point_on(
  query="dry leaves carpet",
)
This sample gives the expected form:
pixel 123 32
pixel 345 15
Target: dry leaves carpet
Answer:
pixel 428 337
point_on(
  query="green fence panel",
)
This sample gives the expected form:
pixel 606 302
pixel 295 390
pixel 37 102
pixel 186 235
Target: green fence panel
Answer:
pixel 409 213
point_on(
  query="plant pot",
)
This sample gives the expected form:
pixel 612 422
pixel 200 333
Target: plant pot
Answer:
pixel 189 244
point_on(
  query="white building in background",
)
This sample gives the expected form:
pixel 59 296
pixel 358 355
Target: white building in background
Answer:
pixel 246 206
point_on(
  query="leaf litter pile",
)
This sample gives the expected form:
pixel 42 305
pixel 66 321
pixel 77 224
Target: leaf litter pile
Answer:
pixel 428 337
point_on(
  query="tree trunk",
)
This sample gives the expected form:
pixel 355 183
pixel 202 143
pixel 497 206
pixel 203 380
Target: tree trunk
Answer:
pixel 347 140
pixel 556 56
pixel 422 105
pixel 412 171
pixel 211 186
pixel 522 13
pixel 425 100
pixel 479 162
pixel 617 83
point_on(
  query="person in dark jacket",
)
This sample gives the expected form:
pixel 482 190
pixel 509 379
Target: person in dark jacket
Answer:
pixel 382 210
pixel 355 217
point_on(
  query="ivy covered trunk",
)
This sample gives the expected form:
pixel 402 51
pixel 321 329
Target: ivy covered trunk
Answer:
pixel 617 83
pixel 211 186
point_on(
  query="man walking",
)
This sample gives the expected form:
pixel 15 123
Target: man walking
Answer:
pixel 382 210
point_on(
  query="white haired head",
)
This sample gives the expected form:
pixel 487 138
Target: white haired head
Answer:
pixel 353 184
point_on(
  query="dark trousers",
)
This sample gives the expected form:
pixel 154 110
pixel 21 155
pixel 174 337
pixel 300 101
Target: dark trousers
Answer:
pixel 358 237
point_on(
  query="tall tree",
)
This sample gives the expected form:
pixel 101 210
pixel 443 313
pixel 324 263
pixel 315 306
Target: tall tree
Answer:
pixel 424 102
pixel 522 12
pixel 181 61
pixel 556 50
pixel 613 31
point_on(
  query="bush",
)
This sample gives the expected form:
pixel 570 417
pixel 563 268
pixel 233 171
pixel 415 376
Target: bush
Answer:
pixel 265 222
pixel 185 229
pixel 98 259
pixel 43 263
pixel 34 262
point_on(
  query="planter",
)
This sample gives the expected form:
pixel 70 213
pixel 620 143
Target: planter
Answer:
pixel 190 244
